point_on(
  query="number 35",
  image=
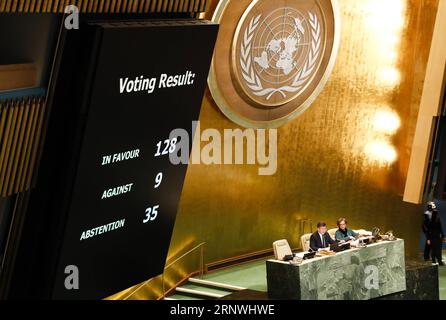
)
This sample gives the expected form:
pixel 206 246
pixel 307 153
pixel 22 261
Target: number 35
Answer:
pixel 151 214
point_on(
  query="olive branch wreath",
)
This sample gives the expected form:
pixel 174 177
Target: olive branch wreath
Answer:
pixel 253 80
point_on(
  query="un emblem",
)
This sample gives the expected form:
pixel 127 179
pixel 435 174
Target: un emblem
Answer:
pixel 272 58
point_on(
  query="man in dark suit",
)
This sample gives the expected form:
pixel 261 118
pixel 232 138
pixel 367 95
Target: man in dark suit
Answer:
pixel 320 239
pixel 426 222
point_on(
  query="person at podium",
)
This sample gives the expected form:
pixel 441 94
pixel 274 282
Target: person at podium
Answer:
pixel 344 234
pixel 320 239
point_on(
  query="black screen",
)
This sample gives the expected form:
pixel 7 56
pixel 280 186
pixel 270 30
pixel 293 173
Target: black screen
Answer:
pixel 126 191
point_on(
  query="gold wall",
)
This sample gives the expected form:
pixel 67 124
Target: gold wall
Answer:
pixel 346 156
pixel 336 159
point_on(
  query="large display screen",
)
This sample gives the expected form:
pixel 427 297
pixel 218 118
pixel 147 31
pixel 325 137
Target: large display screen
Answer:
pixel 148 78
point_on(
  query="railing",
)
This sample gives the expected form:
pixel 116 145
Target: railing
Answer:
pixel 202 267
pixel 201 270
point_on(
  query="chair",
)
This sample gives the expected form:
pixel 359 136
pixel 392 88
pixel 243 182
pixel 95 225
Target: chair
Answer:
pixel 332 233
pixel 305 241
pixel 281 249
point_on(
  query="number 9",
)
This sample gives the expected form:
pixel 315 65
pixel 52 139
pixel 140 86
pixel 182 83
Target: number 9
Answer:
pixel 158 179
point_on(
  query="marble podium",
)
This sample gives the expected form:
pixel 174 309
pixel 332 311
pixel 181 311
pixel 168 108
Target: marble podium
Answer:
pixel 356 274
pixel 421 282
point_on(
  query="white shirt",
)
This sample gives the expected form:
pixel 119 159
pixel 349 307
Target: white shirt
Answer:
pixel 322 239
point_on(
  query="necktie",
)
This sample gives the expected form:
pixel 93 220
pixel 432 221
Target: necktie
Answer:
pixel 323 241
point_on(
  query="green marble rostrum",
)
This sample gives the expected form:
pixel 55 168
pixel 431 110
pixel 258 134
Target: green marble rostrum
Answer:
pixel 357 274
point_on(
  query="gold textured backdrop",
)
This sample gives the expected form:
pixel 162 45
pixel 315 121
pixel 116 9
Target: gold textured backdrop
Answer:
pixel 346 156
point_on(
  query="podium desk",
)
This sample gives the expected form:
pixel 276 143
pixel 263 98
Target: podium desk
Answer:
pixel 355 274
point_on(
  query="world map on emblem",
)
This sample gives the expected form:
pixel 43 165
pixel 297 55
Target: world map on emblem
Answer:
pixel 278 54
pixel 272 58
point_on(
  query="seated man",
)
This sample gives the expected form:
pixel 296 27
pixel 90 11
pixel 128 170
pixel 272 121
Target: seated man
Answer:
pixel 344 234
pixel 320 239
